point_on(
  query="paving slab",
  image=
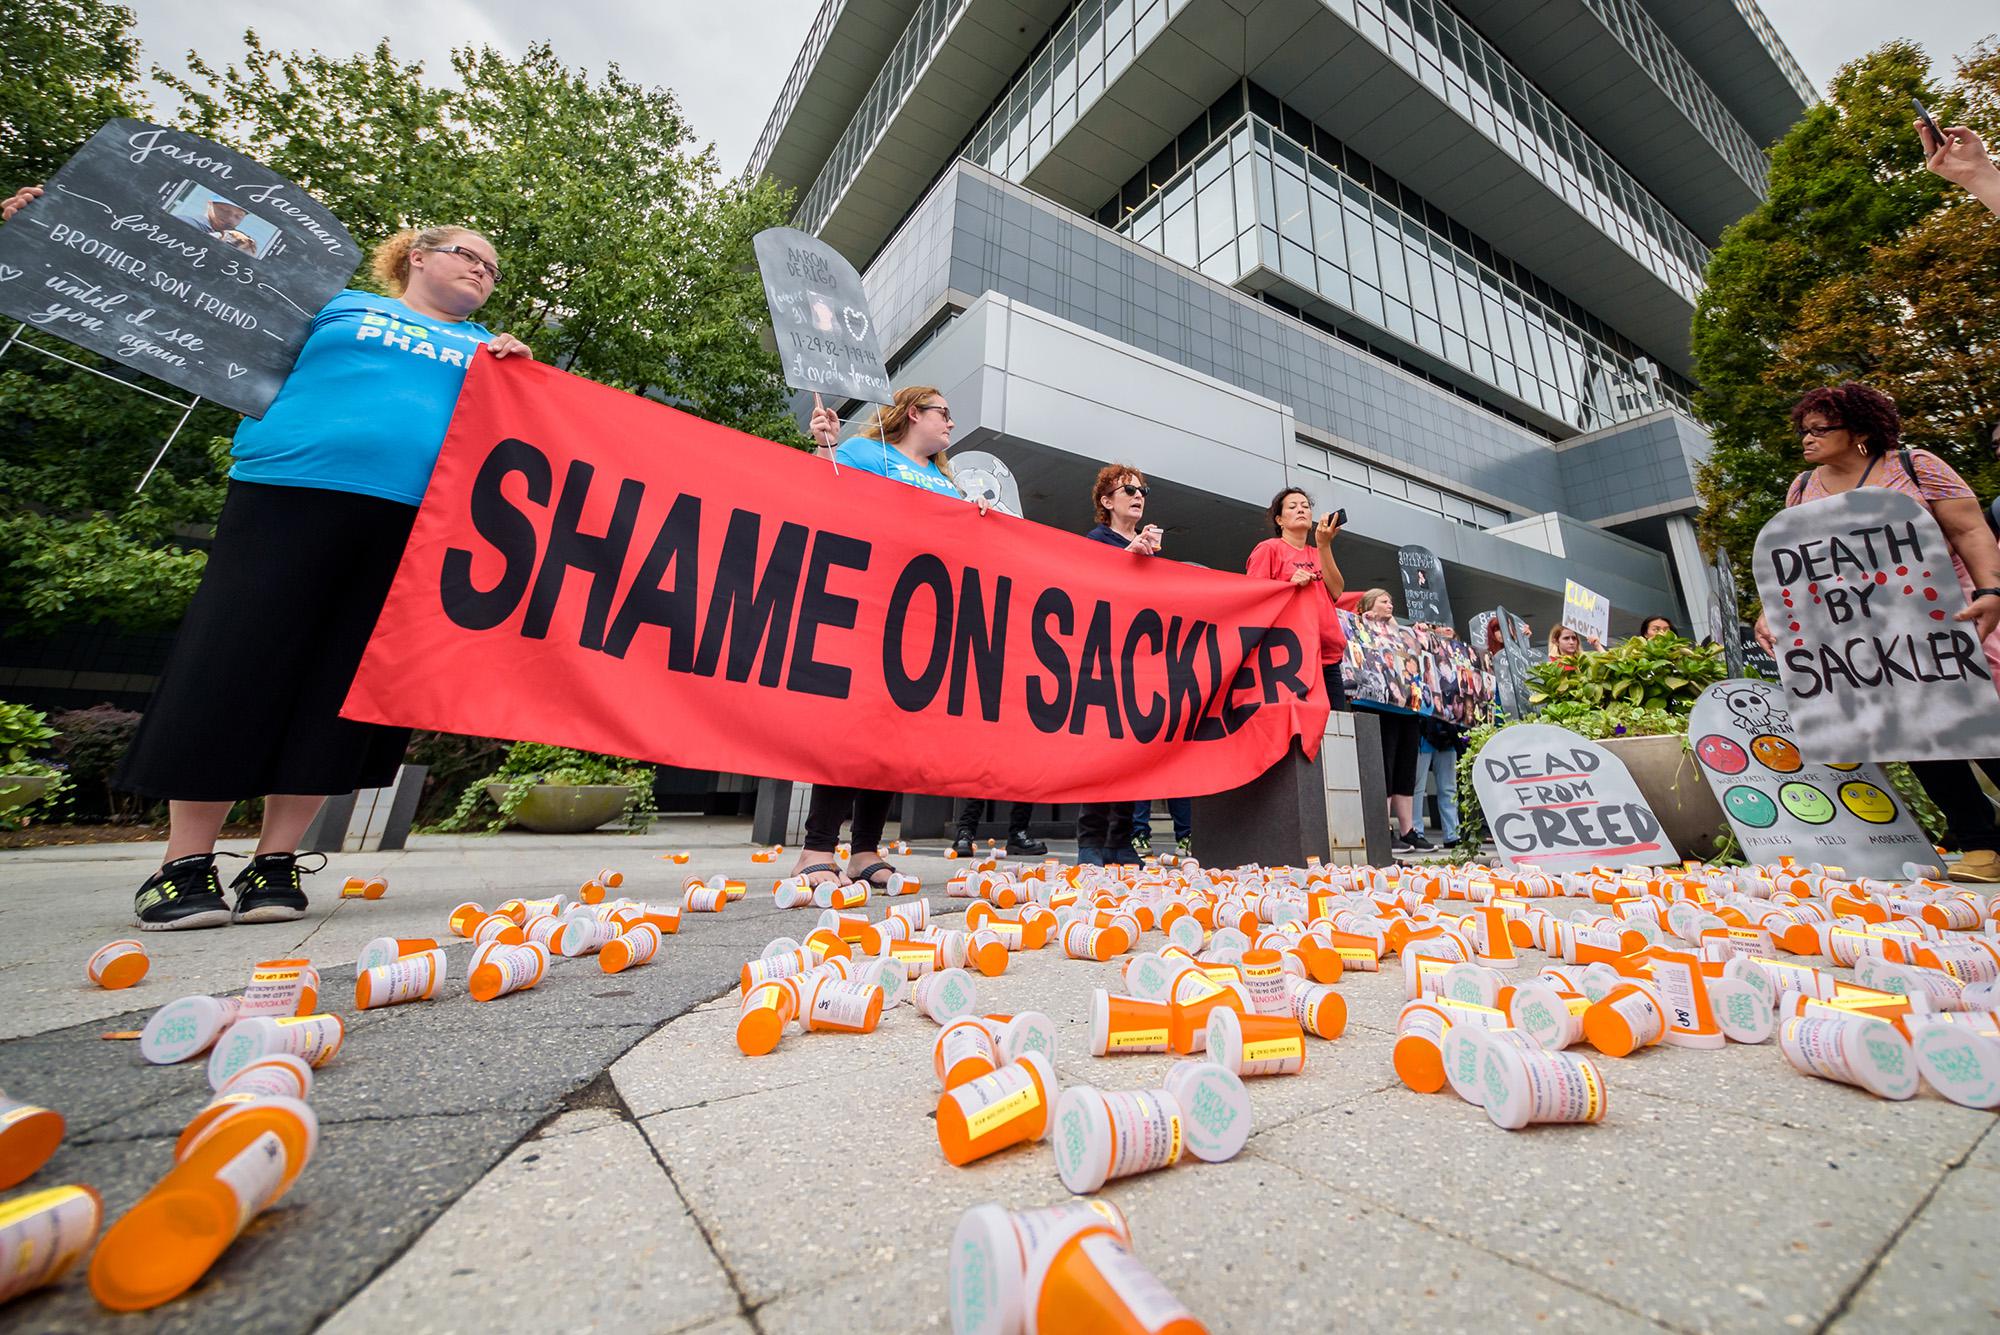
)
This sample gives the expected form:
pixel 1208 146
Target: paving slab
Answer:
pixel 584 1207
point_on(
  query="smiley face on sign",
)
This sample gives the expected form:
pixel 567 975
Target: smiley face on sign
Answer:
pixel 1868 802
pixel 1722 755
pixel 1746 806
pixel 1776 753
pixel 1806 802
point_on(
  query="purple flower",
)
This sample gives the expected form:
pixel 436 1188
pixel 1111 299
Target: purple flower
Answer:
pixel 1619 731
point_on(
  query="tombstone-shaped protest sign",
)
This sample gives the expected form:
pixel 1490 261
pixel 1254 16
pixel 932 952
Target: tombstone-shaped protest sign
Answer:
pixel 819 313
pixel 1556 801
pixel 1511 659
pixel 174 256
pixel 1783 805
pixel 1586 612
pixel 1724 619
pixel 983 477
pixel 1860 593
pixel 1424 597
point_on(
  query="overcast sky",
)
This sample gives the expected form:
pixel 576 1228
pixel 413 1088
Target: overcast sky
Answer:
pixel 726 61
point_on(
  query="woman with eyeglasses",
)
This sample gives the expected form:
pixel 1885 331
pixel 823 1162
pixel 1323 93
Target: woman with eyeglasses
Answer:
pixel 321 498
pixel 1851 435
pixel 905 442
pixel 1106 832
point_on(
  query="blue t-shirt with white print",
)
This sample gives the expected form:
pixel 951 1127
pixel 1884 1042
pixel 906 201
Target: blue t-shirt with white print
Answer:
pixel 885 460
pixel 367 404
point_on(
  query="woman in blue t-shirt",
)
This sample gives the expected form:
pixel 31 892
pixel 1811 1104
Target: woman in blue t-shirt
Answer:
pixel 321 499
pixel 906 442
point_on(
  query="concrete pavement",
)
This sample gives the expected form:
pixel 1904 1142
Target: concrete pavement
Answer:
pixel 597 1155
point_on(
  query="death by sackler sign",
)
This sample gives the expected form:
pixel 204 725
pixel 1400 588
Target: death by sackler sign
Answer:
pixel 1860 595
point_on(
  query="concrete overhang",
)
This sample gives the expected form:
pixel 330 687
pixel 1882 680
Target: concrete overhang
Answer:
pixel 1566 50
pixel 1317 62
pixel 1055 401
pixel 842 55
pixel 975 58
pixel 1764 87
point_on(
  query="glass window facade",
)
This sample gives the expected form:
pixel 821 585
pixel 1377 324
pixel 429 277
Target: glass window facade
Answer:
pixel 912 52
pixel 1638 34
pixel 1395 262
pixel 795 82
pixel 1425 37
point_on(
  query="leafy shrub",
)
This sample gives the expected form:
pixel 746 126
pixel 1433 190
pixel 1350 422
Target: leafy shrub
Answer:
pixel 1664 672
pixel 529 763
pixel 454 762
pixel 91 744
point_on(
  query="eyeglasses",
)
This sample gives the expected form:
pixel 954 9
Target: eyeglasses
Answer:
pixel 932 407
pixel 1826 430
pixel 1131 490
pixel 477 261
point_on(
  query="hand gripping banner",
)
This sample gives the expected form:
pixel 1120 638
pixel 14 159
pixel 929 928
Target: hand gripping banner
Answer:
pixel 595 570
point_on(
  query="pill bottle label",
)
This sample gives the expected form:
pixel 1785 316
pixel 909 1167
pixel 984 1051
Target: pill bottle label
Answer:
pixel 842 1004
pixel 1135 1286
pixel 1146 1131
pixel 254 1176
pixel 1273 1049
pixel 42 1233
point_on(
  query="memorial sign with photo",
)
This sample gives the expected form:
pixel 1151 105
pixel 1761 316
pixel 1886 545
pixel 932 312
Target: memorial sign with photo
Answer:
pixel 1424 596
pixel 1510 660
pixel 177 257
pixel 1782 804
pixel 1556 801
pixel 1860 594
pixel 1586 612
pixel 1724 619
pixel 1391 664
pixel 827 340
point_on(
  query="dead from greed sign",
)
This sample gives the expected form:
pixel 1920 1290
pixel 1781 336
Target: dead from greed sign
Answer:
pixel 1556 801
pixel 1860 592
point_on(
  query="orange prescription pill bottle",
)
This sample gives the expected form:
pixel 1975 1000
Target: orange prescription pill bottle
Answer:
pixel 1264 975
pixel 358 887
pixel 1859 1051
pixel 42 1234
pixel 989 1258
pixel 1120 1025
pixel 1523 1085
pixel 28 1137
pixel 282 987
pixel 187 1028
pixel 411 978
pixel 236 1169
pixel 280 1074
pixel 1100 1136
pixel 767 1009
pixel 1629 1017
pixel 964 1051
pixel 1030 1031
pixel 505 969
pixel 118 964
pixel 1419 1052
pixel 1215 1109
pixel 1009 1106
pixel 1318 1007
pixel 1254 1045
pixel 945 995
pixel 841 1007
pixel 464 917
pixel 1091 1284
pixel 1193 995
pixel 316 1038
pixel 986 951
pixel 629 949
pixel 388 949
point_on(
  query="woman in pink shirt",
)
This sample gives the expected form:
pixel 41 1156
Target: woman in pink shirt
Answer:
pixel 1302 553
pixel 1851 434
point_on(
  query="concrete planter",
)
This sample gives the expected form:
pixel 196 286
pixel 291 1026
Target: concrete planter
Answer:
pixel 18 790
pixel 1673 786
pixel 561 809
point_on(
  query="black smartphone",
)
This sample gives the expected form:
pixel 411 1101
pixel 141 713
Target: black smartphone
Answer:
pixel 1924 115
pixel 1340 519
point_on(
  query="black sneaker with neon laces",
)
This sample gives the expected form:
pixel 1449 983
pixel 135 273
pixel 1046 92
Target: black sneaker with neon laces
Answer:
pixel 268 890
pixel 182 895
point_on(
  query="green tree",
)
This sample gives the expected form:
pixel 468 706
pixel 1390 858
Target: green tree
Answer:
pixel 626 253
pixel 1859 265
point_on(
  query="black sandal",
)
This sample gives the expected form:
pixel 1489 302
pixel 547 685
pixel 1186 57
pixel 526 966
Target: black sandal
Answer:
pixel 807 873
pixel 866 876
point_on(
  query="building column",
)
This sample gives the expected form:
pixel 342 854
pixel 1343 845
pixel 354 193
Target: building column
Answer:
pixel 1691 572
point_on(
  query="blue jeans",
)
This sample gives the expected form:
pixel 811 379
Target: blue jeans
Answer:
pixel 1180 808
pixel 1443 766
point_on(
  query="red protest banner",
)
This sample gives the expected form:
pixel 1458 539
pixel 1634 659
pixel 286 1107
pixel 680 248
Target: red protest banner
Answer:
pixel 596 570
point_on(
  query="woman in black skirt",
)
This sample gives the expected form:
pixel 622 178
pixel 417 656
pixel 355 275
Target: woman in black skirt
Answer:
pixel 321 499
